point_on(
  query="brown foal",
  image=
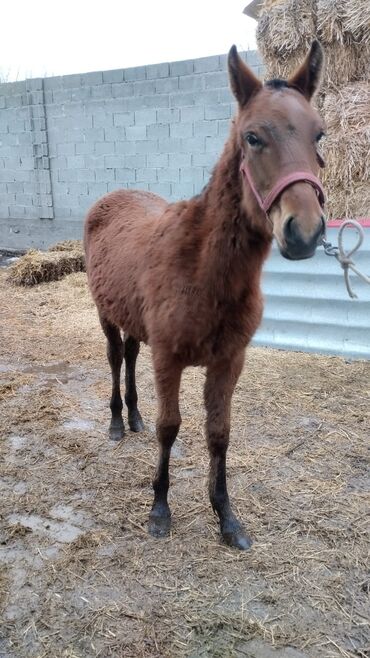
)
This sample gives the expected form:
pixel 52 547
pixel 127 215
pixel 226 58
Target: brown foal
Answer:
pixel 185 277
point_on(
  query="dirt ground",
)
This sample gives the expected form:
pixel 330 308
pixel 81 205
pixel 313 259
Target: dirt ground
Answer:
pixel 79 575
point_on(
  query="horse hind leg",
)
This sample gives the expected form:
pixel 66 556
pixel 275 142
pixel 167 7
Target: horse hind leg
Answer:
pixel 115 350
pixel 131 351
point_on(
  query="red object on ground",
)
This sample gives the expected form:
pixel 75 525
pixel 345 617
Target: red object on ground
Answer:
pixel 335 223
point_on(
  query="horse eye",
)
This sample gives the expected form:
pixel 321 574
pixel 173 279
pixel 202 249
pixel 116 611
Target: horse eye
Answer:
pixel 319 136
pixel 253 140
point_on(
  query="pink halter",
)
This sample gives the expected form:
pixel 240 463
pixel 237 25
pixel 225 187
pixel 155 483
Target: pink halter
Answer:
pixel 281 185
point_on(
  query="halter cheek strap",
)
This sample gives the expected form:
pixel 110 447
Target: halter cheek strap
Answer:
pixel 281 185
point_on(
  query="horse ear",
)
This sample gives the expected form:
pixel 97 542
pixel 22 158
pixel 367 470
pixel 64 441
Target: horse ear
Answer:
pixel 242 81
pixel 307 77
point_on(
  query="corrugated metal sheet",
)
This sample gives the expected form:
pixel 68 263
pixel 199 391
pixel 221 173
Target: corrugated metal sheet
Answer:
pixel 307 307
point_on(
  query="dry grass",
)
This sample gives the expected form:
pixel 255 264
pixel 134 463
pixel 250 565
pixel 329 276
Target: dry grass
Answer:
pixel 38 266
pixel 67 245
pixel 343 64
pixel 352 201
pixel 356 20
pixel 81 576
pixel 285 27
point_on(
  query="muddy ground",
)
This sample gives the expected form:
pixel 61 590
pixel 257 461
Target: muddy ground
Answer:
pixel 79 575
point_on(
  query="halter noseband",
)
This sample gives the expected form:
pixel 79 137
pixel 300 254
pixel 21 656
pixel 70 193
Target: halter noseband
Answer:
pixel 281 185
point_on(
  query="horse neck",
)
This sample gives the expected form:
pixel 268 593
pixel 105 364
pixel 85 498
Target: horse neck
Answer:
pixel 235 243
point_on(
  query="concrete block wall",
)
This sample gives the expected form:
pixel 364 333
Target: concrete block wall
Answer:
pixel 73 138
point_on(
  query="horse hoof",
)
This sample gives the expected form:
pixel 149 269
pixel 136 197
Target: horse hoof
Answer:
pixel 159 526
pixel 116 431
pixel 238 539
pixel 135 422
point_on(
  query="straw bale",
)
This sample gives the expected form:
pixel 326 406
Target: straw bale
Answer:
pixel 343 63
pixel 38 267
pixel 285 27
pixel 330 16
pixel 344 202
pixel 356 19
pixel 67 245
pixel 348 108
pixel 352 201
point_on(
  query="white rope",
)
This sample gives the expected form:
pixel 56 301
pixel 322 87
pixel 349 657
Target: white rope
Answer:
pixel 344 257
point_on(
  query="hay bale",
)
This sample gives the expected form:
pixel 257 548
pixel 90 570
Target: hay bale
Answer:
pixel 285 27
pixel 38 266
pixel 343 64
pixel 346 151
pixel 352 201
pixel 330 16
pixel 67 245
pixel 356 19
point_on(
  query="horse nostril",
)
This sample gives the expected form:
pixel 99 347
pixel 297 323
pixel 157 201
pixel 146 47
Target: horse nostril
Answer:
pixel 290 232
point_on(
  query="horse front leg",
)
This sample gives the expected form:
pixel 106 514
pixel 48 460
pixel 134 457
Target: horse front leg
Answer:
pixel 167 380
pixel 219 387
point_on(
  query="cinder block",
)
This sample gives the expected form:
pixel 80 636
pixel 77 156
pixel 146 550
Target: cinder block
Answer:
pixel 125 175
pixel 77 188
pixel 191 82
pixel 206 64
pixel 156 100
pixel 95 161
pixel 105 175
pixel 181 129
pixel 138 161
pixel 124 118
pixel 97 190
pixel 162 189
pixel 66 149
pixel 136 133
pixel 61 95
pixel 135 73
pixel 170 145
pixel 193 144
pixel 166 85
pixel 144 87
pixel 158 130
pixel 93 135
pixel 145 117
pixel 55 82
pixel 93 78
pixel 125 148
pixel 192 175
pixel 81 94
pixel 177 160
pixel 185 67
pixel 214 144
pixel 146 146
pixel 224 128
pixel 101 92
pixel 192 113
pixel 205 128
pixel 113 76
pixel 70 81
pixel 85 148
pixel 219 111
pixel 252 57
pixel 104 148
pixel 115 134
pixel 59 162
pixel 158 71
pixel 27 163
pixel 168 175
pixel 180 191
pixel 146 175
pixel 114 161
pixel 75 162
pixel 122 89
pixel 157 160
pixel 216 80
pixel 181 99
pixel 87 175
pixel 225 96
pixel 168 115
pixel 102 119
